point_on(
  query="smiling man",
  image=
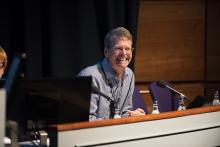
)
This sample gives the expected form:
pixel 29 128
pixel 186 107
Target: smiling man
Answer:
pixel 3 61
pixel 114 78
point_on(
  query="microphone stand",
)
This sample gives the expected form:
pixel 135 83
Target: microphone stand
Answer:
pixel 114 111
pixel 173 95
pixel 162 84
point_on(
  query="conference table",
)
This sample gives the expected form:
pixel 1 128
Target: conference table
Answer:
pixel 191 127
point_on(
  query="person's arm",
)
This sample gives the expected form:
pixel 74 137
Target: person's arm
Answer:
pixel 130 111
pixel 93 108
pixel 137 112
pixel 94 102
pixel 128 103
pixel 94 97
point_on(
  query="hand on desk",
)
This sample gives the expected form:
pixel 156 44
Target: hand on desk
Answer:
pixel 137 112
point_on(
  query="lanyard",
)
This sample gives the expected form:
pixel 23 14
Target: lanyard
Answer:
pixel 116 101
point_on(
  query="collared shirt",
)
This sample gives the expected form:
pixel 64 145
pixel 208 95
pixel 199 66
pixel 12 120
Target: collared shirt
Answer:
pixel 121 91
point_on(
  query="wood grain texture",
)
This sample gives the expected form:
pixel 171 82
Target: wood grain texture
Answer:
pixel 213 41
pixel 170 42
pixel 149 117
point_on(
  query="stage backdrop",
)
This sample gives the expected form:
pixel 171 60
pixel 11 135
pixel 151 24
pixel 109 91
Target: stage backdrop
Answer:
pixel 62 37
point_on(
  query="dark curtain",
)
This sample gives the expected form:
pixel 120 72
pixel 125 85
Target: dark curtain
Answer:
pixel 62 37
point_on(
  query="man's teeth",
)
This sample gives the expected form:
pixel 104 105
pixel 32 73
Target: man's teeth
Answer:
pixel 123 59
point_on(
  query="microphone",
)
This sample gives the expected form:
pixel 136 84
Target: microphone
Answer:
pixel 97 91
pixel 198 101
pixel 112 102
pixel 163 84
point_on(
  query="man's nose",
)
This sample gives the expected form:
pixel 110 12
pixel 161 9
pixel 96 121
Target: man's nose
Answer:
pixel 123 50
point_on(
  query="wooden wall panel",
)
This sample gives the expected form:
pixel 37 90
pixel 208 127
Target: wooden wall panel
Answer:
pixel 170 42
pixel 210 89
pixel 178 41
pixel 213 41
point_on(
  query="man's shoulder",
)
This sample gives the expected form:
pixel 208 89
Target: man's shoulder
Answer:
pixel 129 71
pixel 89 71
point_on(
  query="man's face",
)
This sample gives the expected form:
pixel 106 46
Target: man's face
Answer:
pixel 120 55
pixel 2 68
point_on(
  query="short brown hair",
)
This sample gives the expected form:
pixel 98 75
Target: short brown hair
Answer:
pixel 3 56
pixel 114 34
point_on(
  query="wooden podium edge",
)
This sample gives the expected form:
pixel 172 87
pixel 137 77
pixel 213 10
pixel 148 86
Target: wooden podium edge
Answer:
pixel 125 120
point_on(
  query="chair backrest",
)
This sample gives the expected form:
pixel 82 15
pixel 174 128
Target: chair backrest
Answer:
pixel 138 101
pixel 167 101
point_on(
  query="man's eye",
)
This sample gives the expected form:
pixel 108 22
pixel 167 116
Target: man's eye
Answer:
pixel 119 48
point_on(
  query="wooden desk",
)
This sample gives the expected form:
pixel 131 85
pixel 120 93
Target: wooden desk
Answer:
pixel 192 127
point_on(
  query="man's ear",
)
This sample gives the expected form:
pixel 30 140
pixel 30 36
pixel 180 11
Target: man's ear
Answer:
pixel 106 52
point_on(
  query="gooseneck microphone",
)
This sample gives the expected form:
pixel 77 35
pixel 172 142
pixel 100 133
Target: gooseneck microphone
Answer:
pixel 112 102
pixel 97 91
pixel 163 84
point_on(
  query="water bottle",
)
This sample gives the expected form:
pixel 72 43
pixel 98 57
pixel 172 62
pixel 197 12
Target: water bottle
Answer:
pixel 216 98
pixel 181 103
pixel 117 113
pixel 155 108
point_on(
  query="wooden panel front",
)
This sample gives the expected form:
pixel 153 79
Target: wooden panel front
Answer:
pixel 170 42
pixel 126 120
pixel 213 41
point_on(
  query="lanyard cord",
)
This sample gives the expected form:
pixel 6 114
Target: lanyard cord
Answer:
pixel 102 69
pixel 126 95
pixel 116 98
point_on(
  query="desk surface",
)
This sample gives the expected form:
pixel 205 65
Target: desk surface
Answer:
pixel 192 127
pixel 147 117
